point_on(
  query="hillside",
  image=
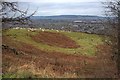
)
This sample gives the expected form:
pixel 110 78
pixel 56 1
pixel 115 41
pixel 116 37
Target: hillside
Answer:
pixel 48 53
pixel 72 17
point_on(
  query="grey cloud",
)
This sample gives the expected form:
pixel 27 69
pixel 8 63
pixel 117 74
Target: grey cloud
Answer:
pixel 87 8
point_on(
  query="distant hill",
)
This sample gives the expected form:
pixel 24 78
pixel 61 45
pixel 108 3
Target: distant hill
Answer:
pixel 81 17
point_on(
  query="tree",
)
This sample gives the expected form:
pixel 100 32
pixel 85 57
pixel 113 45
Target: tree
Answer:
pixel 113 9
pixel 10 12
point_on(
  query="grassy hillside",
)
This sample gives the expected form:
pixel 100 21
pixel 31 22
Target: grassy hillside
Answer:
pixel 87 42
pixel 53 53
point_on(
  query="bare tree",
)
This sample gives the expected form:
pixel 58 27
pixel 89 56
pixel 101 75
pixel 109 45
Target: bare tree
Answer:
pixel 113 10
pixel 10 12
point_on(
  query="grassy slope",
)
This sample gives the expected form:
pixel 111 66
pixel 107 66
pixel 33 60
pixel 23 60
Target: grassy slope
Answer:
pixel 42 60
pixel 88 42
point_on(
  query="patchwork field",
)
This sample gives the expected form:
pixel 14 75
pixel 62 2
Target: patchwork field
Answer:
pixel 52 53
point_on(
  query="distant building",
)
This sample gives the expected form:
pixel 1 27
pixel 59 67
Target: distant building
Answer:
pixel 78 21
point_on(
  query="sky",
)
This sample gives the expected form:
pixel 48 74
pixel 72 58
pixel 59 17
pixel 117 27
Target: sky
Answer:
pixel 63 7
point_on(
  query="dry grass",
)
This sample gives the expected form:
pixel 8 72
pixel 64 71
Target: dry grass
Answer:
pixel 55 39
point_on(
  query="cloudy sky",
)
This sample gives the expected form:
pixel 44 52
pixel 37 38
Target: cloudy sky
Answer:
pixel 63 7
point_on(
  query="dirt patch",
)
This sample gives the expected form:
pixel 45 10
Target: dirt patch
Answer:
pixel 55 39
